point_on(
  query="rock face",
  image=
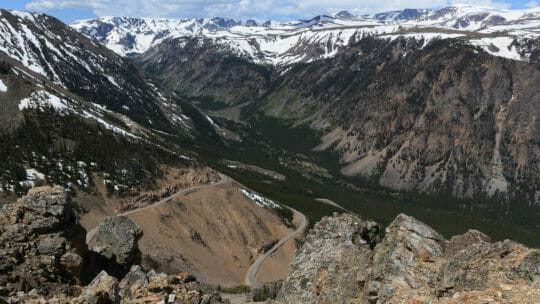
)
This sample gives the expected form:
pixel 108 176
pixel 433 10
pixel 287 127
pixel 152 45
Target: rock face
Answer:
pixel 335 256
pixel 116 239
pixel 41 243
pixel 412 264
pixel 410 113
pixel 103 289
pixel 44 258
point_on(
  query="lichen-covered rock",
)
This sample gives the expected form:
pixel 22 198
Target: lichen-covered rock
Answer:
pixel 102 290
pixel 116 239
pixel 412 264
pixel 46 208
pixel 399 261
pixel 136 277
pixel 332 266
pixel 43 254
pixel 530 267
pixel 42 245
pixel 460 242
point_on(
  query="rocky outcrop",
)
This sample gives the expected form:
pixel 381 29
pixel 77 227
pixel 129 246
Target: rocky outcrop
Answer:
pixel 116 239
pixel 42 246
pixel 412 264
pixel 136 287
pixel 335 256
pixel 103 289
pixel 114 248
pixel 44 258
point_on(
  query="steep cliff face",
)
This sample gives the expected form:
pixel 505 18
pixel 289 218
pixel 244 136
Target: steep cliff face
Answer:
pixel 409 113
pixel 437 117
pixel 197 67
pixel 412 264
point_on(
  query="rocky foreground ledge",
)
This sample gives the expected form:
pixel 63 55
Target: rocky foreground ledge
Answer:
pixel 343 261
pixel 44 258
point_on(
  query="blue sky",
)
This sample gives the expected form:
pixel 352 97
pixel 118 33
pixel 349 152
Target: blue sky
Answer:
pixel 281 10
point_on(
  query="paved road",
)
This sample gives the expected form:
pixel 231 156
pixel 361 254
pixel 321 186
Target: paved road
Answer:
pixel 224 179
pixel 254 268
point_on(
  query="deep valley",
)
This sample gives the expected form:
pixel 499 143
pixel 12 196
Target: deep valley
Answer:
pixel 182 160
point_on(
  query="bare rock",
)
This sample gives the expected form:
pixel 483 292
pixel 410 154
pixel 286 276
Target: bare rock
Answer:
pixel 116 239
pixel 412 264
pixel 530 267
pixel 136 277
pixel 102 290
pixel 463 241
pixel 404 249
pixel 42 245
pixel 333 264
pixel 46 208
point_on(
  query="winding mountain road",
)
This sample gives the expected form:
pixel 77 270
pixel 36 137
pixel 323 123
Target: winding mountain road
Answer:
pixel 254 268
pixel 224 179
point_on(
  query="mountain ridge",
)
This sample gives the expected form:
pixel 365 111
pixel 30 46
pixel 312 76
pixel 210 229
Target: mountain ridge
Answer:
pixel 55 77
pixel 278 44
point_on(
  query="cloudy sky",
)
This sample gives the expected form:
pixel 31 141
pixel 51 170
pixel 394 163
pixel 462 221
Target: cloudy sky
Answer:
pixel 281 10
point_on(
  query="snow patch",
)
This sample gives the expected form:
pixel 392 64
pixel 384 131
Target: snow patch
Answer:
pixel 259 200
pixel 41 99
pixel 284 44
pixel 3 87
pixel 113 81
pixel 498 46
pixel 108 126
pixel 32 175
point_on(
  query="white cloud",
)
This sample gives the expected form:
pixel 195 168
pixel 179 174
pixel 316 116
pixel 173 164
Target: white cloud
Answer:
pixel 240 9
pixel 532 4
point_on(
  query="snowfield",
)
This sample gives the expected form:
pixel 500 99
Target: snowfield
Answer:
pixel 283 44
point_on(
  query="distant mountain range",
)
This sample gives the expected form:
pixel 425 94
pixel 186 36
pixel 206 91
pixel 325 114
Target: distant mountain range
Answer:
pixel 441 100
pixel 431 112
pixel 499 32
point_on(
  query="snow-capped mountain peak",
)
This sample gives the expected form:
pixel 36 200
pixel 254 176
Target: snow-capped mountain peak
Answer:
pixel 127 35
pixel 282 44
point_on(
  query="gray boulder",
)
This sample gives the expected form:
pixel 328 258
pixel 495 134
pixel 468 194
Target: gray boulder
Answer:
pixel 135 276
pixel 42 245
pixel 333 263
pixel 45 208
pixel 103 289
pixel 116 239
